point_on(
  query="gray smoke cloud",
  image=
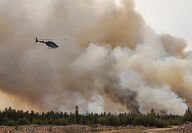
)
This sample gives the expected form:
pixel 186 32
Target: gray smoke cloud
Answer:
pixel 111 60
pixel 125 96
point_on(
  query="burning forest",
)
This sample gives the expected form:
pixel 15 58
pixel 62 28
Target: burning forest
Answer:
pixel 111 61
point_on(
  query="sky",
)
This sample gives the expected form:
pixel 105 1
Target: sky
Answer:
pixel 168 16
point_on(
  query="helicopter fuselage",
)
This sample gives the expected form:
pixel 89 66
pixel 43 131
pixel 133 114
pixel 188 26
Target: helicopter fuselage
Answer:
pixel 50 44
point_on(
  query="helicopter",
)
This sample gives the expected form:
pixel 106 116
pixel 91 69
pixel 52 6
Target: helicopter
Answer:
pixel 50 44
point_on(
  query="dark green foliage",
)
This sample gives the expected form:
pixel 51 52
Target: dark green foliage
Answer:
pixel 11 123
pixel 23 121
pixel 11 117
pixel 188 115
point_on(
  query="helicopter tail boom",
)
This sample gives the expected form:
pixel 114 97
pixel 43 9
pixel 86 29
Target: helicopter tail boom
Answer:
pixel 36 40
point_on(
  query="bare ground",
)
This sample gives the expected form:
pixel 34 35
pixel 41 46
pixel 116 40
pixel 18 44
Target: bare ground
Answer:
pixel 45 129
pixel 68 129
pixel 185 128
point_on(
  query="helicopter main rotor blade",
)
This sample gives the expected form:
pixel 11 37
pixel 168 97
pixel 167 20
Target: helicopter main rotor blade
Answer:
pixel 45 39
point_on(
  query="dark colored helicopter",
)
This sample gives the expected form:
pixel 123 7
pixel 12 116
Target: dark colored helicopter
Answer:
pixel 48 43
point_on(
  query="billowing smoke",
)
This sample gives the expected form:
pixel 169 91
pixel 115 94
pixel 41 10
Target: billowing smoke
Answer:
pixel 111 60
pixel 126 97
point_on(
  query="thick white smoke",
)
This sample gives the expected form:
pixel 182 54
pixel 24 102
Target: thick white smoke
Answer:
pixel 111 60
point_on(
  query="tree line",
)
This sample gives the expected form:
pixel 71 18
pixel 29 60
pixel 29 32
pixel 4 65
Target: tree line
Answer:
pixel 12 117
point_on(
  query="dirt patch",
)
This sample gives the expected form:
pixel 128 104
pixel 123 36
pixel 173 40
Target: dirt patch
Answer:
pixel 45 129
pixel 187 127
pixel 90 129
pixel 70 129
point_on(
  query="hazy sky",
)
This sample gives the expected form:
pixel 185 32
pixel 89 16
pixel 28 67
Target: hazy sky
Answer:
pixel 168 16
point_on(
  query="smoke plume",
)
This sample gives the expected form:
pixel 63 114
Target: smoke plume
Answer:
pixel 111 60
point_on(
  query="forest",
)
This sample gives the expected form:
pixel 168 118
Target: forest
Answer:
pixel 12 117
